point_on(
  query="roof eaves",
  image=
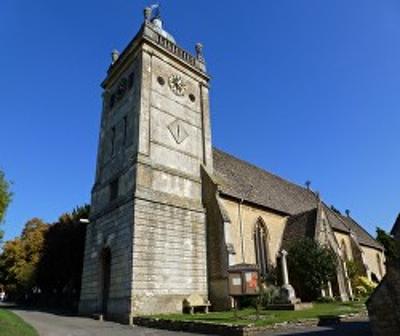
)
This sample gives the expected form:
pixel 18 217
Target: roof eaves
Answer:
pixel 376 244
pixel 251 202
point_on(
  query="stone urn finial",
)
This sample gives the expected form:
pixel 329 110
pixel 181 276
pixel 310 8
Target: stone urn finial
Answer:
pixel 199 51
pixel 114 56
pixel 147 14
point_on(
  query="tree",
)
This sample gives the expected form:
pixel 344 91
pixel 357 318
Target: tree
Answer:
pixel 310 267
pixel 392 247
pixel 5 198
pixel 60 268
pixel 20 258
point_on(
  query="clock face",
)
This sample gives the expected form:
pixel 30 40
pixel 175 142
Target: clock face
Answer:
pixel 177 85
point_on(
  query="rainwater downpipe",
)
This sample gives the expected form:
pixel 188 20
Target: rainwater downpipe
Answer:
pixel 241 230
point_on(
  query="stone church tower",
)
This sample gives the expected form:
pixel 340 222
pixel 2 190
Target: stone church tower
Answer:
pixel 146 241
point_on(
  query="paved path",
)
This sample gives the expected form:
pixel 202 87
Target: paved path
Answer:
pixel 48 324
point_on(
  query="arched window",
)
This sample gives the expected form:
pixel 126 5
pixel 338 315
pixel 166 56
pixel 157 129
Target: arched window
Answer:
pixel 374 278
pixel 261 246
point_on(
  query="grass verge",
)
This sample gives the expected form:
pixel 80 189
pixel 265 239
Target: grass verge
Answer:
pixel 13 325
pixel 268 317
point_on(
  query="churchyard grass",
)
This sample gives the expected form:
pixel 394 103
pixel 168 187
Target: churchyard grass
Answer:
pixel 13 325
pixel 268 317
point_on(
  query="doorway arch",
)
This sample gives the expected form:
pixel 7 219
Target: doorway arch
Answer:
pixel 105 278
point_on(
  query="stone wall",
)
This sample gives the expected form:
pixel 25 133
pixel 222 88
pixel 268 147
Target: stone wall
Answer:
pixel 383 305
pixel 224 242
pixel 344 240
pixel 169 240
pixel 113 231
pixel 169 257
pixel 274 222
pixel 217 248
pixel 111 220
pixel 326 236
pixel 374 260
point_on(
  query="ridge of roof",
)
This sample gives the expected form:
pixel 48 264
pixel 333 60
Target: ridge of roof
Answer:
pixel 244 180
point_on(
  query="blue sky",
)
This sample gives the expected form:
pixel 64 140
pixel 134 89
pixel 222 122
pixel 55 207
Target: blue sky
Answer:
pixel 307 89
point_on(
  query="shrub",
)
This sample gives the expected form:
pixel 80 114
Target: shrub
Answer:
pixel 247 302
pixel 364 286
pixel 270 295
pixel 354 269
pixel 361 291
pixel 310 265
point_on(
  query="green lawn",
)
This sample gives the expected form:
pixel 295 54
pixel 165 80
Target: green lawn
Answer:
pixel 13 325
pixel 267 317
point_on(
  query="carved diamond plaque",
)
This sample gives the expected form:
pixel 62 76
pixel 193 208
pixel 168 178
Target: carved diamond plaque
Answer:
pixel 178 131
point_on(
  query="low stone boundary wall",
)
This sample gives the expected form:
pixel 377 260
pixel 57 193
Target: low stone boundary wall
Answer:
pixel 215 329
pixel 225 329
pixel 195 327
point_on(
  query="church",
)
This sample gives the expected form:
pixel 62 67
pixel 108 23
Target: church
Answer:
pixel 170 213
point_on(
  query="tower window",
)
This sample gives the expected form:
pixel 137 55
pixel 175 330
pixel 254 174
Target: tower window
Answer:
pixel 114 189
pixel 122 88
pixel 113 134
pixel 131 80
pixel 112 101
pixel 125 129
pixel 192 97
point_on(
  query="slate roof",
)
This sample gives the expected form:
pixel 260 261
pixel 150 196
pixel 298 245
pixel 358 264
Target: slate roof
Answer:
pixel 243 180
pixel 363 237
pixel 300 226
pixel 336 220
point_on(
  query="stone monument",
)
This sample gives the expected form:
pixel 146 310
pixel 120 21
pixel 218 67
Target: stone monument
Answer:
pixel 287 292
